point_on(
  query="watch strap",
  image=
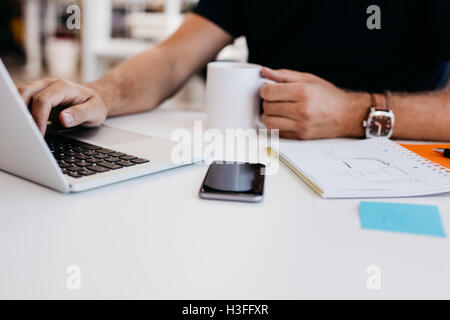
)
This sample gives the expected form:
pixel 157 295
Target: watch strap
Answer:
pixel 379 102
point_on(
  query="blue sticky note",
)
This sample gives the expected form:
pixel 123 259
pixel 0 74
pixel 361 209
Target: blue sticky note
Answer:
pixel 398 217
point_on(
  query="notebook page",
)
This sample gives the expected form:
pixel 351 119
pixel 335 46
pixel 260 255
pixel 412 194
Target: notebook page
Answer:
pixel 365 168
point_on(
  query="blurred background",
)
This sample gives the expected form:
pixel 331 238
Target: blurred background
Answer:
pixel 36 41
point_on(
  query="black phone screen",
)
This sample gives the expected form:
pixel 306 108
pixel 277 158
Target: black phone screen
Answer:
pixel 234 181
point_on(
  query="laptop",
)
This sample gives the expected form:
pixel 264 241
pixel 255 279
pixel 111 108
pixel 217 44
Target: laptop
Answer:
pixel 74 160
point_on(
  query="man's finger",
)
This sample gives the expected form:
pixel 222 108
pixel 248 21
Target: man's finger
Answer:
pixel 280 123
pixel 57 94
pixel 289 135
pixel 87 114
pixel 286 76
pixel 29 90
pixel 280 109
pixel 284 92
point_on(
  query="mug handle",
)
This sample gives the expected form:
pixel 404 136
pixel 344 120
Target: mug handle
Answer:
pixel 258 122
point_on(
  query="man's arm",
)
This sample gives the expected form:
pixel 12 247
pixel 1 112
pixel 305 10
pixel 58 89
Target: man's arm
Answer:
pixel 143 82
pixel 423 116
pixel 304 106
pixel 138 84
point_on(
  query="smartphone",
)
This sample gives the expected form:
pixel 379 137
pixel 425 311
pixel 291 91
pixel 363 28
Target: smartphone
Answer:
pixel 234 182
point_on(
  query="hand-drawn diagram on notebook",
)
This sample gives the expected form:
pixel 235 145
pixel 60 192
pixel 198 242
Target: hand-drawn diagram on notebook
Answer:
pixel 367 165
pixel 343 163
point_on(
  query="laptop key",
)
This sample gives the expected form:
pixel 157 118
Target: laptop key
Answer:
pixel 98 169
pixel 140 161
pixel 75 169
pixel 82 157
pixel 87 172
pixel 105 151
pixel 117 154
pixel 75 175
pixel 70 160
pixel 94 160
pixel 83 164
pixel 126 163
pixel 128 157
pixel 65 165
pixel 109 165
pixel 90 153
pixel 112 159
pixel 100 156
pixel 78 149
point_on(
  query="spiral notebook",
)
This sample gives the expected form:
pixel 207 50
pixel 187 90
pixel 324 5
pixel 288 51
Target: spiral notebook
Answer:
pixel 426 151
pixel 372 168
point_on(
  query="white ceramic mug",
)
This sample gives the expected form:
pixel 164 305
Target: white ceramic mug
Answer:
pixel 232 95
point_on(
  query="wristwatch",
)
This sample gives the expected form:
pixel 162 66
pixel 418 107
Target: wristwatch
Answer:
pixel 381 120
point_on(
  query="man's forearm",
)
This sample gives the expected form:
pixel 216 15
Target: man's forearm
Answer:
pixel 143 82
pixel 138 84
pixel 422 116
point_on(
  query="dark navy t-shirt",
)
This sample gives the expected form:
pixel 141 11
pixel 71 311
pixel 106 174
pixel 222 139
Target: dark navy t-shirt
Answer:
pixel 331 39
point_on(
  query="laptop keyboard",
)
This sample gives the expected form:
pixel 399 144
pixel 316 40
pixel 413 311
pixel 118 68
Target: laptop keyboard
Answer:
pixel 78 159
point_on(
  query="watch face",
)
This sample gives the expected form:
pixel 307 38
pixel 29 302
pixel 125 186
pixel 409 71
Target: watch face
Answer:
pixel 380 126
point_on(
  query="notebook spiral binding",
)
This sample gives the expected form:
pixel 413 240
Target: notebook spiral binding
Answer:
pixel 435 167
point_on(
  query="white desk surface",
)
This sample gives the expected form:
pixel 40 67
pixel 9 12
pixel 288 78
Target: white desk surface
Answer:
pixel 153 238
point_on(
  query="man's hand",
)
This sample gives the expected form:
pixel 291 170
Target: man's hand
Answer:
pixel 304 106
pixel 85 106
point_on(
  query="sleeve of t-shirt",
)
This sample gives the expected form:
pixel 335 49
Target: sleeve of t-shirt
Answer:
pixel 227 14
